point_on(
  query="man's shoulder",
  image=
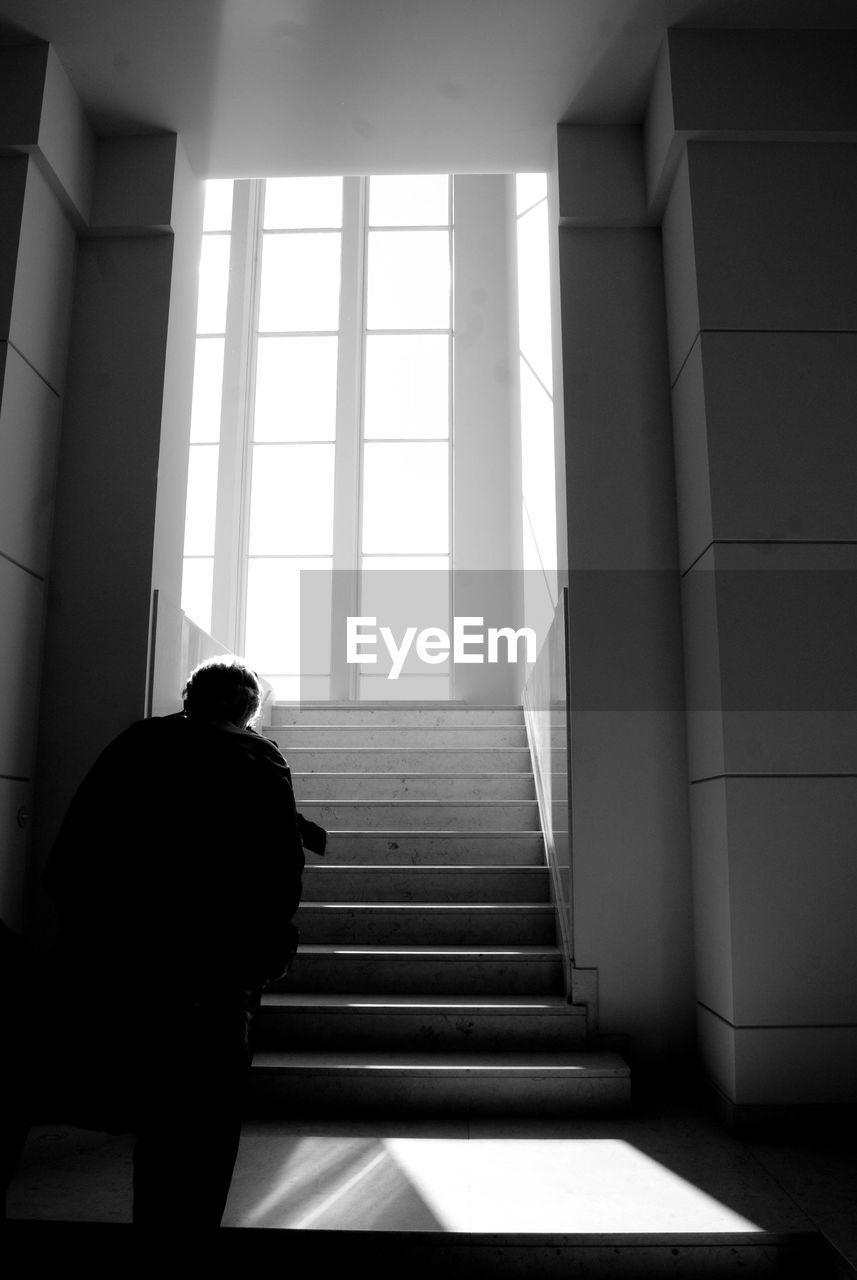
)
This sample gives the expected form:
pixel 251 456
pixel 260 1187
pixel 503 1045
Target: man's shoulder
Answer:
pixel 256 747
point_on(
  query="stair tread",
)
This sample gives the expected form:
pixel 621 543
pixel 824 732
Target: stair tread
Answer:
pixel 403 804
pixel 438 953
pixel 452 833
pixel 543 908
pixel 575 1064
pixel 433 868
pixel 487 1004
pixel 405 773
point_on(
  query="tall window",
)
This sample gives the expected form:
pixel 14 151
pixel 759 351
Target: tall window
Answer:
pixel 407 414
pixel 293 439
pixel 330 303
pixel 538 476
pixel 200 522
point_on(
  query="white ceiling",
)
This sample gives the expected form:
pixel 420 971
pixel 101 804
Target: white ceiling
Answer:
pixel 369 86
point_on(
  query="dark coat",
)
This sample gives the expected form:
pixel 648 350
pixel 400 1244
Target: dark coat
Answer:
pixel 179 861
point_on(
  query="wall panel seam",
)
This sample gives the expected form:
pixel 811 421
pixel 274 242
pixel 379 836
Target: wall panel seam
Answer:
pixel 30 365
pixel 11 560
pixel 778 1026
pixel 718 777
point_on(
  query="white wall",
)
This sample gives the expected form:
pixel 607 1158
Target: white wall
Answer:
pixel 630 847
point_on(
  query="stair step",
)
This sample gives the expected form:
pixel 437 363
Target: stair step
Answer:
pixel 392 736
pixel 416 1083
pixel 360 759
pixel 422 815
pixel 339 1021
pixel 398 713
pixel 331 883
pixel 49 1246
pixel 524 970
pixel 440 848
pixel 427 924
pixel 413 786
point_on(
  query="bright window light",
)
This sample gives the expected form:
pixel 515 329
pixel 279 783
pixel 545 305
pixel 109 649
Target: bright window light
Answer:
pixel 410 200
pixel 405 498
pixel 274 627
pixel 197 582
pixel 201 508
pixel 291 503
pixel 530 188
pixel 534 313
pixel 300 282
pixel 295 389
pixel 409 564
pixel 538 472
pixel 213 284
pixel 408 280
pixel 218 205
pixel 207 391
pixel 292 203
pixel 407 386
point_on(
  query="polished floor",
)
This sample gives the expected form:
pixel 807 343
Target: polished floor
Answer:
pixel 670 1167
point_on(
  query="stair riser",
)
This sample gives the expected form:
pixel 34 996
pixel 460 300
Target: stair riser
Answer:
pixel 408 759
pixel 421 716
pixel 420 927
pixel 407 815
pixel 390 737
pixel 426 975
pixel 286 1029
pixel 356 786
pixel 390 1092
pixel 425 884
pixel 524 849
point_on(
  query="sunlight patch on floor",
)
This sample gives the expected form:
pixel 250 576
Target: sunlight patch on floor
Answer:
pixel 470 1185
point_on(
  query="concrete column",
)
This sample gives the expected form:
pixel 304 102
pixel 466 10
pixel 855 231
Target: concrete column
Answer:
pixel 758 188
pixel 629 836
pixel 123 459
pixel 44 191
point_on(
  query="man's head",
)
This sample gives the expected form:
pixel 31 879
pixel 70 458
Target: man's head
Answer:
pixel 223 689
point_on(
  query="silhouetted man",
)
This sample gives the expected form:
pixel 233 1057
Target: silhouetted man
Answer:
pixel 175 876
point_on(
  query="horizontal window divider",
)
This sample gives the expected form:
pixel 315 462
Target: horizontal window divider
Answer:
pixel 329 332
pixel 302 231
pixel 278 443
pixel 411 226
pixel 404 333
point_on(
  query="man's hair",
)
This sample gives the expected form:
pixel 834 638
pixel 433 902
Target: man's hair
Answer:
pixel 223 688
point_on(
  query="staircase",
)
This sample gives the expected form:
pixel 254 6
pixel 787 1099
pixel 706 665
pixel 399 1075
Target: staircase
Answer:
pixel 429 981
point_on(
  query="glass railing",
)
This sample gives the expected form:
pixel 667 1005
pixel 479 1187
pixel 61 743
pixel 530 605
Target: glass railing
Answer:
pixel 545 701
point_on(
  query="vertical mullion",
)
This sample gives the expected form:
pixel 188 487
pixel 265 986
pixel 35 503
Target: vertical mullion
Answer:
pixel 236 372
pixel 451 416
pixel 244 480
pixel 347 456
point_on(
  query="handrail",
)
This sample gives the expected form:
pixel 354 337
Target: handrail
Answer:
pixel 546 704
